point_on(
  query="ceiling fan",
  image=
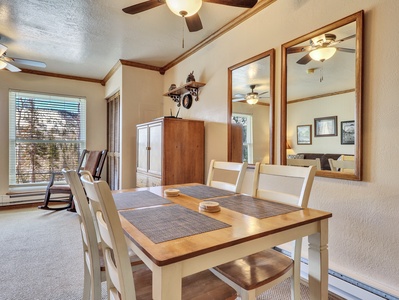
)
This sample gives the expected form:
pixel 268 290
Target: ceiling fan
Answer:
pixel 250 98
pixel 186 9
pixel 6 61
pixel 321 48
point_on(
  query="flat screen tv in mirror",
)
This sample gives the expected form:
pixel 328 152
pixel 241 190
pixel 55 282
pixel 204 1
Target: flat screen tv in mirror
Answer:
pixel 322 86
pixel 250 109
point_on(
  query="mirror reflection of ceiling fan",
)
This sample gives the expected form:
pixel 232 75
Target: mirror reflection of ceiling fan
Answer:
pixel 321 48
pixel 250 98
pixel 186 9
pixel 6 62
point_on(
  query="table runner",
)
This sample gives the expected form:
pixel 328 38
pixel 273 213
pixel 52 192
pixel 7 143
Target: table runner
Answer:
pixel 254 207
pixel 138 199
pixel 165 223
pixel 203 192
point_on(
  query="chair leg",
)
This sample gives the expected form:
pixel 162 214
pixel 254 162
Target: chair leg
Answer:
pixel 46 200
pixel 248 295
pixel 70 206
pixel 87 284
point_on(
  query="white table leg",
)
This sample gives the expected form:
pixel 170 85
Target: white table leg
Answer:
pixel 167 282
pixel 318 263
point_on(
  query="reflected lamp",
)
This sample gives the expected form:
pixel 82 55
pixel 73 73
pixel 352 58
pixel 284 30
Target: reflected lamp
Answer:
pixel 323 53
pixel 184 8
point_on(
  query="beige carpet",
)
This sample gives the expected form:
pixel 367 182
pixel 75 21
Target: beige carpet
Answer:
pixel 41 258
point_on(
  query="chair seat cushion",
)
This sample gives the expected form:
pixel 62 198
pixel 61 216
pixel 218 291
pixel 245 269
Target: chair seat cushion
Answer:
pixel 257 269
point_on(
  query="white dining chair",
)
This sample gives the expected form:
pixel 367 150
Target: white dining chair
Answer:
pixel 303 162
pixel 254 274
pixel 342 165
pixel 233 169
pixel 94 268
pixel 122 282
pixel 91 256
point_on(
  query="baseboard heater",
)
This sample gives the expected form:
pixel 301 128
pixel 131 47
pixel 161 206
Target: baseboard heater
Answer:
pixel 344 286
pixel 27 197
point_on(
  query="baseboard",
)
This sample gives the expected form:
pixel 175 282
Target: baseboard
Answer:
pixel 346 287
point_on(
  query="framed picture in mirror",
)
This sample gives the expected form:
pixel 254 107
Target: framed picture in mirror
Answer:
pixel 348 132
pixel 304 134
pixel 326 126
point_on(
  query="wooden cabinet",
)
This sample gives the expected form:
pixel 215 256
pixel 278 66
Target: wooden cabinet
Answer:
pixel 170 151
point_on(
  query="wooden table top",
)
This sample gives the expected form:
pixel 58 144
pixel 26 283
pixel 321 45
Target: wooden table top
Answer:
pixel 243 228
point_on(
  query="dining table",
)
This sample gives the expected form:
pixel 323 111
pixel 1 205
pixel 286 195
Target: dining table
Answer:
pixel 175 238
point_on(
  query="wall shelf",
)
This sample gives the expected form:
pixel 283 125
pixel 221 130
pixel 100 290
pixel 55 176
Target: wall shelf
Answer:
pixel 190 87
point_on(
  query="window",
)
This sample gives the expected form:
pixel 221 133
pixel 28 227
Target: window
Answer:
pixel 247 138
pixel 46 132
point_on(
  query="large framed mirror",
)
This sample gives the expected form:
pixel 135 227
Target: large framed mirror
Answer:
pixel 251 109
pixel 321 99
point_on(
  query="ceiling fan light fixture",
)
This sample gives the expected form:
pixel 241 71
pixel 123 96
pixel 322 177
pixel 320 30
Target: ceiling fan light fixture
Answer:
pixel 184 8
pixel 323 53
pixel 2 65
pixel 252 98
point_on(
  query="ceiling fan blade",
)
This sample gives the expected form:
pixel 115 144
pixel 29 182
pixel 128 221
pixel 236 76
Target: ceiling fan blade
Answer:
pixel 304 60
pixel 346 50
pixel 194 23
pixel 3 49
pixel 344 39
pixel 299 49
pixel 263 93
pixel 12 68
pixel 143 6
pixel 236 3
pixel 27 62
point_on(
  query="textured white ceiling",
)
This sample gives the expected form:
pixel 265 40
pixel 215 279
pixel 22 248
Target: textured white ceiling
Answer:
pixel 87 37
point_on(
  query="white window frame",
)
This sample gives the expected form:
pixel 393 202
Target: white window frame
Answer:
pixel 13 95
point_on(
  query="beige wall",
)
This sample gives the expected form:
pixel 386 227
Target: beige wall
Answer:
pixel 364 229
pixel 141 101
pixel 96 109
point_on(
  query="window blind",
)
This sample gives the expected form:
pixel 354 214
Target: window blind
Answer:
pixel 46 133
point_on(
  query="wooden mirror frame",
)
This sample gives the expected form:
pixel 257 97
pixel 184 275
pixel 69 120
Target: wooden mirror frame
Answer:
pixel 271 54
pixel 358 18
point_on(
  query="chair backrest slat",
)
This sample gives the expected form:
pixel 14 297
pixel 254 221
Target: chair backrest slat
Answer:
pixel 306 174
pixel 238 168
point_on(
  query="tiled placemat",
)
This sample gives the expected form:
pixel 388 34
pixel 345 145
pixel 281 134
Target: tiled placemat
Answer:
pixel 203 192
pixel 138 199
pixel 254 207
pixel 165 223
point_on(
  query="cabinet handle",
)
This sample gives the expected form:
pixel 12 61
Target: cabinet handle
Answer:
pixel 148 148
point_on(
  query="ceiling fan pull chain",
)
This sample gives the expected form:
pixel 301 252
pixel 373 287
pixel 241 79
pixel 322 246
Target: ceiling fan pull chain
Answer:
pixel 182 42
pixel 321 74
